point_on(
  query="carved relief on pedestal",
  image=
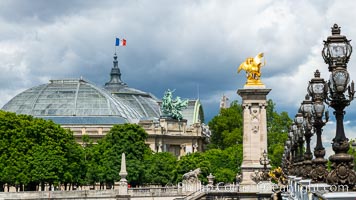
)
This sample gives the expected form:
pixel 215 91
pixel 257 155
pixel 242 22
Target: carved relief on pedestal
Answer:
pixel 255 119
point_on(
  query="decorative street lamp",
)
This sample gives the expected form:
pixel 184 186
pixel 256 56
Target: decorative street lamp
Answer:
pixel 265 170
pixel 317 89
pixel 336 54
pixel 337 49
pixel 306 109
pixel 287 153
pixel 293 146
pixel 263 174
pixel 286 157
pixel 299 134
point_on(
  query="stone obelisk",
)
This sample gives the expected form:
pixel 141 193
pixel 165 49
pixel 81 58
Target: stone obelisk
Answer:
pixel 254 102
pixel 123 173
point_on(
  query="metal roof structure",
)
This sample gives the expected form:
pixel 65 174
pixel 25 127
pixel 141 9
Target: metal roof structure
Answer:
pixel 144 103
pixel 69 97
pixel 77 101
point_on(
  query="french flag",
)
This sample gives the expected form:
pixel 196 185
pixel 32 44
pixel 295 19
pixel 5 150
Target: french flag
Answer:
pixel 120 42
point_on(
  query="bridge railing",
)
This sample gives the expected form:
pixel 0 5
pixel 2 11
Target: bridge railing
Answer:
pixel 155 191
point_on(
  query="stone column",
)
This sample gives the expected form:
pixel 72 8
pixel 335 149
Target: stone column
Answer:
pixel 254 129
pixel 123 173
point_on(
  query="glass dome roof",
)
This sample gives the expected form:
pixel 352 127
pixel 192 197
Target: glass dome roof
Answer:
pixel 76 101
pixel 144 103
pixel 70 98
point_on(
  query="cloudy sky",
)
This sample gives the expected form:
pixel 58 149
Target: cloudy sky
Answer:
pixel 191 46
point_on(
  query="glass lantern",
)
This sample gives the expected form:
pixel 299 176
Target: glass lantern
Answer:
pixel 299 119
pixel 317 87
pixel 318 109
pixel 337 49
pixel 339 79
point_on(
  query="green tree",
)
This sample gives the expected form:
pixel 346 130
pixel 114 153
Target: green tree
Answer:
pixel 35 151
pixel 105 158
pixel 224 164
pixel 191 162
pixel 160 168
pixel 226 127
pixel 277 133
pixel 352 151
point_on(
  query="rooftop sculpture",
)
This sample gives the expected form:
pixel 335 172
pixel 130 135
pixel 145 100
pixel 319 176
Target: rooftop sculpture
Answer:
pixel 173 108
pixel 252 66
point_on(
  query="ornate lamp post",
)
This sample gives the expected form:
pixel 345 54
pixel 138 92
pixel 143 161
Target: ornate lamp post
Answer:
pixel 263 174
pixel 294 149
pixel 317 89
pixel 293 146
pixel 299 134
pixel 265 162
pixel 306 109
pixel 336 53
pixel 287 157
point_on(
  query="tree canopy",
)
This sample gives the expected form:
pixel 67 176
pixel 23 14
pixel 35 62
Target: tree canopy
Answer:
pixel 226 127
pixel 105 157
pixel 277 132
pixel 34 151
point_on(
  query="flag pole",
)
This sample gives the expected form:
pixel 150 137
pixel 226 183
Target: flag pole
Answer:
pixel 115 45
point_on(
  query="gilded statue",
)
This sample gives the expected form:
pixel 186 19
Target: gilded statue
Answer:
pixel 252 66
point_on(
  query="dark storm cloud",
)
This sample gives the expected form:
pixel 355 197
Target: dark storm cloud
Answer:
pixel 191 46
pixel 19 11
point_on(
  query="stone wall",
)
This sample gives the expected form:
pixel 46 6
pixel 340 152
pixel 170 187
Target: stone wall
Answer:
pixel 87 194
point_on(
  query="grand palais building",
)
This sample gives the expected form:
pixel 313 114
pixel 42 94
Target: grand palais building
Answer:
pixel 88 109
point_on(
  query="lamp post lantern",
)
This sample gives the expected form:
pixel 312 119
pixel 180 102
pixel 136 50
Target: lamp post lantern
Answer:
pixel 299 134
pixel 292 147
pixel 317 89
pixel 336 53
pixel 306 109
pixel 265 170
pixel 287 157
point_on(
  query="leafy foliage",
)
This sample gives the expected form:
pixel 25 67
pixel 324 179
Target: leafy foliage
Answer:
pixel 226 127
pixel 352 151
pixel 105 157
pixel 225 164
pixel 277 133
pixel 35 151
pixel 191 162
pixel 160 168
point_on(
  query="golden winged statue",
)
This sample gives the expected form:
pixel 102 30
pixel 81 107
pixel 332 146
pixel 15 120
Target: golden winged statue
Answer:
pixel 252 66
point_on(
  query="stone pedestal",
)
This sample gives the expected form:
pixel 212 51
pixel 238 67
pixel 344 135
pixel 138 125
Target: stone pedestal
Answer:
pixel 173 125
pixel 191 185
pixel 254 104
